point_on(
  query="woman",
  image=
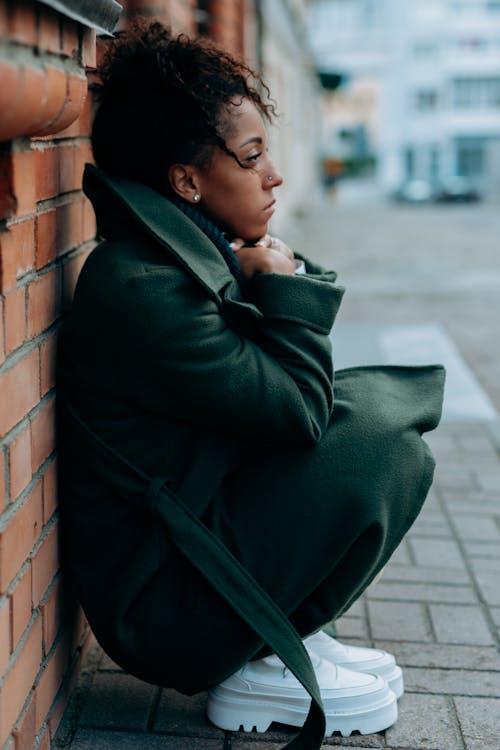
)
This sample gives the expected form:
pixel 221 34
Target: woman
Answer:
pixel 219 503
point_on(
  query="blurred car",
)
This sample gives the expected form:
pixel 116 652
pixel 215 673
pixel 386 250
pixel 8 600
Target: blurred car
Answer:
pixel 415 191
pixel 457 190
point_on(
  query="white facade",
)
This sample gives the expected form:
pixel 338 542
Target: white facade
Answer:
pixel 438 63
pixel 289 71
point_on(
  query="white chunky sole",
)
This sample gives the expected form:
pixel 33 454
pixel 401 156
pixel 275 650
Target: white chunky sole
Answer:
pixel 238 715
pixel 264 692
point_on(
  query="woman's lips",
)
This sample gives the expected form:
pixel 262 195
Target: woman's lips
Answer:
pixel 270 207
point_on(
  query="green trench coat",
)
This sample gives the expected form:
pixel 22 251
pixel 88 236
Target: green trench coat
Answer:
pixel 309 484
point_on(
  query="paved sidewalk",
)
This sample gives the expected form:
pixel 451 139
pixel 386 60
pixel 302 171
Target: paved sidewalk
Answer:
pixel 437 608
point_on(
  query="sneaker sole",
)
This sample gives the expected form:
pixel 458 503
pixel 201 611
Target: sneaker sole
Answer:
pixel 234 715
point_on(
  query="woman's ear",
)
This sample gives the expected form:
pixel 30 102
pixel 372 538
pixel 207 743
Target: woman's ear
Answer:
pixel 184 181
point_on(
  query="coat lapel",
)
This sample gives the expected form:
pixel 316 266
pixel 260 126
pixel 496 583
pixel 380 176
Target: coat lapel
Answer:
pixel 159 217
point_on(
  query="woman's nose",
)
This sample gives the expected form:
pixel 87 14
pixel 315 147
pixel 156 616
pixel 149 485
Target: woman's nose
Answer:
pixel 272 177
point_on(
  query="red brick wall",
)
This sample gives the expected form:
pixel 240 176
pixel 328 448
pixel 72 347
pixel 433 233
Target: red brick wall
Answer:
pixel 47 229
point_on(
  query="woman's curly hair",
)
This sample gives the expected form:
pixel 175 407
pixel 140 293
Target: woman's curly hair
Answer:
pixel 161 101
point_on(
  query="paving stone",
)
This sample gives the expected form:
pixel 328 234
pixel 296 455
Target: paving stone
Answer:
pixel 182 714
pixel 119 701
pixel 357 609
pixel 483 549
pixel 473 527
pixel 425 574
pixel 420 592
pixel 425 721
pixel 477 446
pixel 489 481
pixel 440 552
pixel 457 624
pixel 442 655
pixel 479 720
pixel 455 478
pixel 495 613
pixel 489 584
pixel 485 565
pixel 389 620
pixel 351 627
pixel 401 554
pixel 452 682
pixel 88 739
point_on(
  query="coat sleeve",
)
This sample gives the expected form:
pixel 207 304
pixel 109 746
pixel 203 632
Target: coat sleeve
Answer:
pixel 191 365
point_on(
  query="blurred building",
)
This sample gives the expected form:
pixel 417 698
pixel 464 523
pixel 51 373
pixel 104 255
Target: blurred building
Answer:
pixel 435 72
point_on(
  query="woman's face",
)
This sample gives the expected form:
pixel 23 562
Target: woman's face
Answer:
pixel 239 199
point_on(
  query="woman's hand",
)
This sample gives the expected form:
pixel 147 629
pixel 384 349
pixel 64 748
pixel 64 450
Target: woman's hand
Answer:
pixel 268 255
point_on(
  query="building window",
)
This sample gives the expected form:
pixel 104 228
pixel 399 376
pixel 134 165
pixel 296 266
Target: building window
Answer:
pixel 470 157
pixel 476 93
pixel 493 6
pixel 409 162
pixel 426 100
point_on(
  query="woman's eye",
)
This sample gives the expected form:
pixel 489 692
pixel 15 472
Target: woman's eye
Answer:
pixel 254 157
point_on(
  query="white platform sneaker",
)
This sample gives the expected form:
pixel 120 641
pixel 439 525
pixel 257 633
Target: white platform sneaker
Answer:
pixel 359 659
pixel 265 691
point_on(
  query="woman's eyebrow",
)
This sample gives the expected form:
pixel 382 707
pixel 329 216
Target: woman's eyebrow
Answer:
pixel 253 139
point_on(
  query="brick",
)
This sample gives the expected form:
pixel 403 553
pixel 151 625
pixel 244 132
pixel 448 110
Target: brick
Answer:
pixel 19 536
pixel 17 252
pixel 23 164
pixel 424 721
pixel 56 86
pixel 2 342
pixel 89 49
pixel 29 113
pixel 21 607
pixel 11 93
pixel 19 458
pixel 49 34
pixel 389 620
pixel 75 97
pixel 3 482
pixel 44 301
pixel 70 46
pixel 45 565
pixel 19 680
pixel 43 440
pixel 19 391
pixel 456 624
pixel 68 179
pixel 478 718
pixel 49 491
pixel 118 701
pixel 81 126
pixel 69 226
pixel 47 172
pixel 51 614
pixel 5 635
pixel 51 680
pixel 46 237
pixel 15 319
pixel 48 349
pixel 25 732
pixel 8 202
pixel 22 23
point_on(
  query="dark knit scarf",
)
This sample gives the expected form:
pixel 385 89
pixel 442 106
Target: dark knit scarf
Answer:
pixel 214 234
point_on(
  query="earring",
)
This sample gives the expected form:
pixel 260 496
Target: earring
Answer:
pixel 196 197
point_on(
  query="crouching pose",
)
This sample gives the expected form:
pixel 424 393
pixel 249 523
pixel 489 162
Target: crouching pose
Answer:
pixel 223 499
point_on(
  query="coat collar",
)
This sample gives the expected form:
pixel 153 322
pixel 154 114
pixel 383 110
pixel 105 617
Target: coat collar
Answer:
pixel 160 218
